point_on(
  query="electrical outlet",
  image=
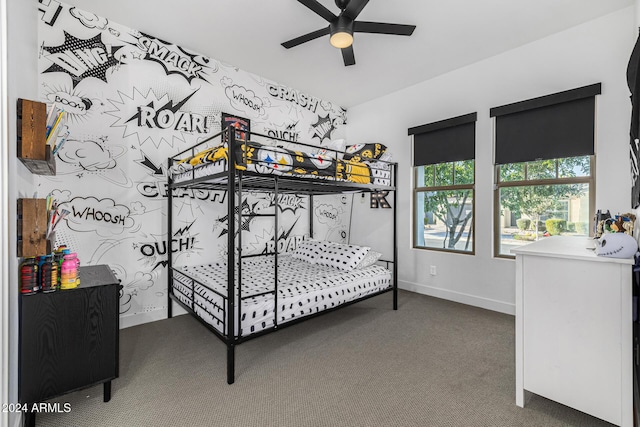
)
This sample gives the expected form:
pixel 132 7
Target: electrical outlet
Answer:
pixel 432 270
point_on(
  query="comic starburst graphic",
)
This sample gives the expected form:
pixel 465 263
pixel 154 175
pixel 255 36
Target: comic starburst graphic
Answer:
pixel 128 110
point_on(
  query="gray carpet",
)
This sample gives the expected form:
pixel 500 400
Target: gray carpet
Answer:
pixel 431 363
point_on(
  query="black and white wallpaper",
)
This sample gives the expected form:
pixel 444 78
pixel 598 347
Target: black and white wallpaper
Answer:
pixel 132 100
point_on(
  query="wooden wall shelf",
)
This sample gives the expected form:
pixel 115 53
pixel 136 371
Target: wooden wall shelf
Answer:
pixel 33 150
pixel 32 227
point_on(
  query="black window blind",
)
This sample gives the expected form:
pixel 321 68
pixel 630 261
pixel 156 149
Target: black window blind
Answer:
pixel 449 140
pixel 549 127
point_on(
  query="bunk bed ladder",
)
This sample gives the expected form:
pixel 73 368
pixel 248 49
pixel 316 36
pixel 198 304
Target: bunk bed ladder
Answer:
pixel 170 233
pixel 240 228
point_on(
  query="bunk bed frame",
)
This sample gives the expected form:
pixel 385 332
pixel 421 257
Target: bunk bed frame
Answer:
pixel 235 181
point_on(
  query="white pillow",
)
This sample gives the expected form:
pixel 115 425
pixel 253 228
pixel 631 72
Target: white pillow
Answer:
pixel 343 257
pixel 386 157
pixel 337 145
pixel 309 250
pixel 370 258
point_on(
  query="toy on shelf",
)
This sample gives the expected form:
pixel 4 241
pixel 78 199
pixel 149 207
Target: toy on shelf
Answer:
pixel 622 223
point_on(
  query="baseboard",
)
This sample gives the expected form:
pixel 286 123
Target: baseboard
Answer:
pixel 476 301
pixel 149 316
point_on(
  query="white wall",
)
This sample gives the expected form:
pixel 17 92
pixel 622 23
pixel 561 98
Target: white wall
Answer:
pixel 22 83
pixel 597 51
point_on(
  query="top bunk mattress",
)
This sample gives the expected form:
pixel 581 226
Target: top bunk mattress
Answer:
pixel 273 160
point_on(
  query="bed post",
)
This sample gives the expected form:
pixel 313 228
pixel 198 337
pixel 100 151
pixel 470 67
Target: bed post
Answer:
pixel 231 249
pixel 275 256
pixel 395 236
pixel 311 216
pixel 169 231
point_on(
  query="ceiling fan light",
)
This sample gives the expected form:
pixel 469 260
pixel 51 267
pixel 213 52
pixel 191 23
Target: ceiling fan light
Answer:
pixel 341 39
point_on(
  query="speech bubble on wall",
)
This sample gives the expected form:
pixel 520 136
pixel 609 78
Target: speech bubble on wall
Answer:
pixel 104 216
pixel 328 214
pixel 245 100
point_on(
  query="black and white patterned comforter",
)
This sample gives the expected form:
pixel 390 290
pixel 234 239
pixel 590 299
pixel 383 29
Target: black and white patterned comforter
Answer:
pixel 303 289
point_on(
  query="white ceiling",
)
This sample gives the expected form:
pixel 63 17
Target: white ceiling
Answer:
pixel 450 34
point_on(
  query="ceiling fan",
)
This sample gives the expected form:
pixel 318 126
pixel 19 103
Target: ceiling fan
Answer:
pixel 342 27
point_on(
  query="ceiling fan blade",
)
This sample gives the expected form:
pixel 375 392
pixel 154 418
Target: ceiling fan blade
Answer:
pixel 383 28
pixel 347 56
pixel 319 9
pixel 354 7
pixel 305 38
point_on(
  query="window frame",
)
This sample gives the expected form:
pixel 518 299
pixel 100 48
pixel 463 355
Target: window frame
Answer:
pixel 590 180
pixel 454 187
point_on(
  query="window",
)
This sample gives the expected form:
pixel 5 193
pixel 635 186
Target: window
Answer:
pixel 444 177
pixel 543 198
pixel 544 173
pixel 443 203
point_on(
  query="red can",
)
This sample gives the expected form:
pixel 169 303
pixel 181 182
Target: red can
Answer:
pixel 29 276
pixel 48 275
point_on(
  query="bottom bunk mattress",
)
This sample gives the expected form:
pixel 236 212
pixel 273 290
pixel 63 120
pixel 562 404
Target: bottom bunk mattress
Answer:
pixel 303 289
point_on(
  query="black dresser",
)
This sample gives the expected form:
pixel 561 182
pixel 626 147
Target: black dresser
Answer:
pixel 69 339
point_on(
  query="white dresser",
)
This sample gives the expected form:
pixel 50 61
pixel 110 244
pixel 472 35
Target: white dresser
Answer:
pixel 574 328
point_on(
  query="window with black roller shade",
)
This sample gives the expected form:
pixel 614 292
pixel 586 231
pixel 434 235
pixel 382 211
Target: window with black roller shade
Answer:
pixel 549 127
pixel 444 176
pixel 544 161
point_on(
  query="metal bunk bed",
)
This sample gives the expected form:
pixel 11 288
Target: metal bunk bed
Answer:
pixel 235 180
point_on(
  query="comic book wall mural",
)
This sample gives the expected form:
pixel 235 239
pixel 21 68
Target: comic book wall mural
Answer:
pixel 132 100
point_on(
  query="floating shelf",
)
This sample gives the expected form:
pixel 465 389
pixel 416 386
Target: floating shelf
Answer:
pixel 32 227
pixel 33 150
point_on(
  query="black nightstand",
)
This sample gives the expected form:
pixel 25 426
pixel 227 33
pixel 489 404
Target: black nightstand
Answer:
pixel 69 339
